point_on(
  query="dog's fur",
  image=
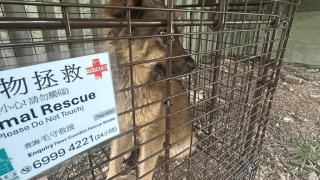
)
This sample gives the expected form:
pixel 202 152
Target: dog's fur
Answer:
pixel 142 50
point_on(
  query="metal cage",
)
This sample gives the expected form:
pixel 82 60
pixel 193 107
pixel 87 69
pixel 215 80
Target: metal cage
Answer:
pixel 238 46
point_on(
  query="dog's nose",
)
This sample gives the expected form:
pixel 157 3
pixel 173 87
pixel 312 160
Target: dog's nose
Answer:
pixel 191 64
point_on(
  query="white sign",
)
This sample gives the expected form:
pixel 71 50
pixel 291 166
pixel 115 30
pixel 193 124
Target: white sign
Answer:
pixel 53 111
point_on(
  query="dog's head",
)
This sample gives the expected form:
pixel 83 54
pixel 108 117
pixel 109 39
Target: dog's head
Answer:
pixel 181 63
pixel 152 48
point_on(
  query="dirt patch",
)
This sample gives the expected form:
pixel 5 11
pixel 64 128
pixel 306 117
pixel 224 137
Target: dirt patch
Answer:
pixel 294 119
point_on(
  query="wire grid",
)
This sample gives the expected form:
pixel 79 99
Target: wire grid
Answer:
pixel 238 46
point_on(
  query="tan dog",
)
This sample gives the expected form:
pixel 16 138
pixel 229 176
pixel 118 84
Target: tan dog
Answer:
pixel 142 50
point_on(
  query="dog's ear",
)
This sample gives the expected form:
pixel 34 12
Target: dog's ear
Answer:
pixel 148 3
pixel 111 13
pixel 152 3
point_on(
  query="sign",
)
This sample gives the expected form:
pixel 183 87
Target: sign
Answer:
pixel 53 111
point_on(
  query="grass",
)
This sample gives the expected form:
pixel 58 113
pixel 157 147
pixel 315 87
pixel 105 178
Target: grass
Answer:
pixel 304 155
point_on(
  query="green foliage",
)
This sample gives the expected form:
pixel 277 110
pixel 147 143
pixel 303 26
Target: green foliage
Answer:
pixel 305 154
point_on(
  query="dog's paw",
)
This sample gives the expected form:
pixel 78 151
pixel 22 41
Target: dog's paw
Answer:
pixel 127 177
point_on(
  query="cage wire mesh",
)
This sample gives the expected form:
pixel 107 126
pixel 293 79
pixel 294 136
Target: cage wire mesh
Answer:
pixel 238 46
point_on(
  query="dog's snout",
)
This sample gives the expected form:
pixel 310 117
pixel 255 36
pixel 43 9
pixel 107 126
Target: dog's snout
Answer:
pixel 191 64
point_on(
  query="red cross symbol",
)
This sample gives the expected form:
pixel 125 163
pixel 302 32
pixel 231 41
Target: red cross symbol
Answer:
pixel 97 69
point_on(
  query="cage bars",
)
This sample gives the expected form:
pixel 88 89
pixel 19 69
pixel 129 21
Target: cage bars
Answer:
pixel 234 43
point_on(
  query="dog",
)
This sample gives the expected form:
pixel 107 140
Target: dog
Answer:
pixel 148 73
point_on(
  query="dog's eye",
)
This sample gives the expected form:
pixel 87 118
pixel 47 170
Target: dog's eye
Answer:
pixel 163 32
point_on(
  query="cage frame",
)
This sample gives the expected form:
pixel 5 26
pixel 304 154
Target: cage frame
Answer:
pixel 264 84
